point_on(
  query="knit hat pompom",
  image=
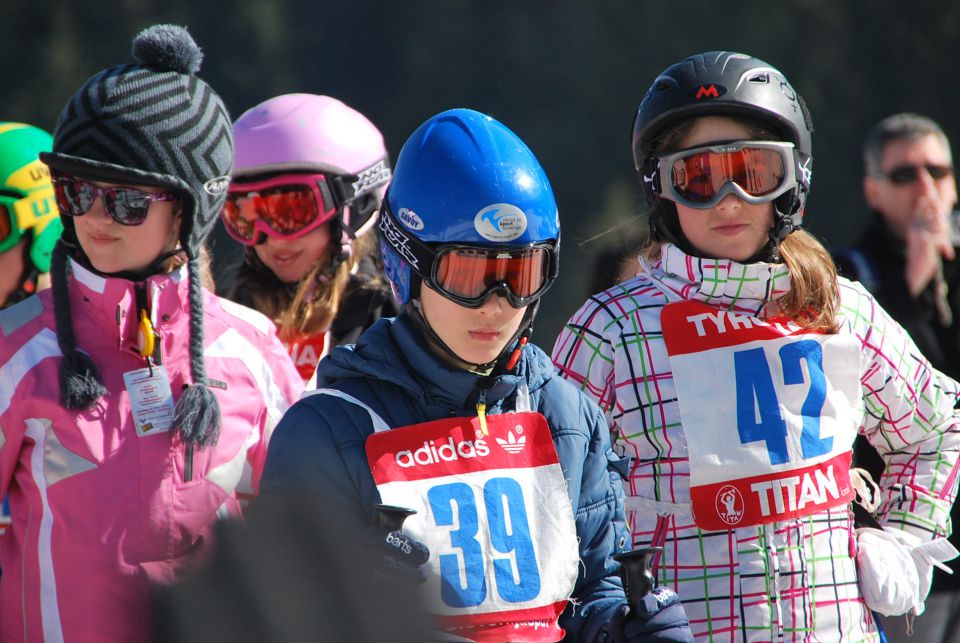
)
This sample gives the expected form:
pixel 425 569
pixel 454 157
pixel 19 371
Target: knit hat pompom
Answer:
pixel 167 48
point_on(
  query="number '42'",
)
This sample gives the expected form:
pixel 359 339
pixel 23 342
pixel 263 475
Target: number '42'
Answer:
pixel 758 409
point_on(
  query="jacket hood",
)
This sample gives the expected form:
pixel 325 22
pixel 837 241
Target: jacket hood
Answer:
pixel 394 351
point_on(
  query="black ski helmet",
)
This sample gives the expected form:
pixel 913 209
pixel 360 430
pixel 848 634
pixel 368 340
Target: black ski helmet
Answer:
pixel 724 83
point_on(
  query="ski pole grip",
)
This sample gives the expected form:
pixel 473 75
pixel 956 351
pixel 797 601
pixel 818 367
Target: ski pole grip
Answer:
pixel 390 517
pixel 636 572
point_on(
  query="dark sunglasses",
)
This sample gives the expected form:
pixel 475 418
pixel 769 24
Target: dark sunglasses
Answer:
pixel 126 206
pixel 903 174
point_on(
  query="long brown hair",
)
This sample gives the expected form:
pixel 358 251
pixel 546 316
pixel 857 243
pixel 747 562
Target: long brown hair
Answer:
pixel 814 297
pixel 309 305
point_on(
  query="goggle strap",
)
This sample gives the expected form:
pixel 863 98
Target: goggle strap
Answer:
pixel 650 174
pixel 349 187
pixel 412 250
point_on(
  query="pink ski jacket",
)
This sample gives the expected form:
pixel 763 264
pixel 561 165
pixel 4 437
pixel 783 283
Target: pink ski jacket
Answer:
pixel 100 508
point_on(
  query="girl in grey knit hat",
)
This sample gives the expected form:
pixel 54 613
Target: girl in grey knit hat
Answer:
pixel 135 405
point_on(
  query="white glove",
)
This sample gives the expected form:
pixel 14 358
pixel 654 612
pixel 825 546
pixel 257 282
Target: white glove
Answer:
pixel 887 573
pixel 926 555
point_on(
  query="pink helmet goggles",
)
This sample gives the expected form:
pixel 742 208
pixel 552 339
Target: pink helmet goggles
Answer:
pixel 291 205
pixel 287 206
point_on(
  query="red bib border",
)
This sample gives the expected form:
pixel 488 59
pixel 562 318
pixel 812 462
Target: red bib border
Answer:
pixel 493 509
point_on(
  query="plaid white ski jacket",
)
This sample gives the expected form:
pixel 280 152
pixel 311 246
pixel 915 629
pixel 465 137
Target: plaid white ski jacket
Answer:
pixel 794 580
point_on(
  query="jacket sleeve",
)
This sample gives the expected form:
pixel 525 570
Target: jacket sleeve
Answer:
pixel 583 353
pixel 11 425
pixel 317 456
pixel 280 386
pixel 910 419
pixel 601 529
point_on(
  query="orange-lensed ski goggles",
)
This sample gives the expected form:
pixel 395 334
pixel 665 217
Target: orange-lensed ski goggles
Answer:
pixel 755 171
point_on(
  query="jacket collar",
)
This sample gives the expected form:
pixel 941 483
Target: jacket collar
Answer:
pixel 394 350
pixel 723 283
pixel 112 301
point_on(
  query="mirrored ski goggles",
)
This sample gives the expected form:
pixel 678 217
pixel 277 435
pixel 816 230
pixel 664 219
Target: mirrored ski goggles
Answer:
pixel 126 206
pixel 468 275
pixel 755 171
pixel 21 213
pixel 286 206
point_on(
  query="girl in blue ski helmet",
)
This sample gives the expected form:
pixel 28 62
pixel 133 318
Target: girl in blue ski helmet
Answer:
pixel 444 411
pixel 467 230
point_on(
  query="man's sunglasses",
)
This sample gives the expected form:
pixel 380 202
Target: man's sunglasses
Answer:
pixel 126 206
pixel 904 174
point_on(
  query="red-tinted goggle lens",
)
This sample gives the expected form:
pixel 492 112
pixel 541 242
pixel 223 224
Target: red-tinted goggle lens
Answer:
pixel 699 176
pixel 470 274
pixel 285 210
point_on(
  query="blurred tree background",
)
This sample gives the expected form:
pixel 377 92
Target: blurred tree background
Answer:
pixel 565 75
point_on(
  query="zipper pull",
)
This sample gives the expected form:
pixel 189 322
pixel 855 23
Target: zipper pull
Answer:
pixel 146 336
pixel 482 412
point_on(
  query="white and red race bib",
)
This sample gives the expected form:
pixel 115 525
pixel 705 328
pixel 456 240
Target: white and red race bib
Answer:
pixel 494 511
pixel 768 412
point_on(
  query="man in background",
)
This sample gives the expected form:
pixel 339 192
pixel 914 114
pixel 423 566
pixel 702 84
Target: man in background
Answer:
pixel 907 258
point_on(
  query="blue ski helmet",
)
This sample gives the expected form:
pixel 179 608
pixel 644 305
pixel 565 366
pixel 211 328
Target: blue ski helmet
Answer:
pixel 464 179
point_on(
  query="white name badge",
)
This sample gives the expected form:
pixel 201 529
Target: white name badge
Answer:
pixel 494 512
pixel 150 399
pixel 768 412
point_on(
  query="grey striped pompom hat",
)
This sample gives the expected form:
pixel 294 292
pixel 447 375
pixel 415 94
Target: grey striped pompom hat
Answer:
pixel 152 122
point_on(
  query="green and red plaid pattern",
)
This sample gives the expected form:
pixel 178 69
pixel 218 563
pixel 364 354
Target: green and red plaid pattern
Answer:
pixel 794 580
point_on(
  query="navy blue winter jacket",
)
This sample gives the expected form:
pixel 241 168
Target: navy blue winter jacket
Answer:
pixel 318 447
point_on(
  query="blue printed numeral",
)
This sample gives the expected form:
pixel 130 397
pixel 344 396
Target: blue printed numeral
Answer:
pixel 455 590
pixel 509 534
pixel 756 394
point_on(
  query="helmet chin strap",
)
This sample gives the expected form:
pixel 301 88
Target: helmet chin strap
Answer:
pixel 444 352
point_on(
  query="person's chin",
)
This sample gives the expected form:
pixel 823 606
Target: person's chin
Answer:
pixel 484 356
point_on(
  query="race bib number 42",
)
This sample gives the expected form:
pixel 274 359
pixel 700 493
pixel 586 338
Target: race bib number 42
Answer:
pixel 493 509
pixel 768 412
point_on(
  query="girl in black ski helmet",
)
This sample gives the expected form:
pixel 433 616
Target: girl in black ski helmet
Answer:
pixel 737 369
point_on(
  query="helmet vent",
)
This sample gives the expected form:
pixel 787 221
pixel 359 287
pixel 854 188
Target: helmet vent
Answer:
pixel 662 86
pixel 760 78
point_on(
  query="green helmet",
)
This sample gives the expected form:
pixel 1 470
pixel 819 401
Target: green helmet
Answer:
pixel 27 203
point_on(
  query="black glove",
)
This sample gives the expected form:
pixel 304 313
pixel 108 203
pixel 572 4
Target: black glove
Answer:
pixel 397 557
pixel 658 619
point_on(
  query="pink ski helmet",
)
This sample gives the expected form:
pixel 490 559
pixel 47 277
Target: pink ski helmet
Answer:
pixel 308 133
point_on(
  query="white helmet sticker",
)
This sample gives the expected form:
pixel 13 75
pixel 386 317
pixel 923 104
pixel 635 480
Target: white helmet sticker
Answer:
pixel 500 222
pixel 410 219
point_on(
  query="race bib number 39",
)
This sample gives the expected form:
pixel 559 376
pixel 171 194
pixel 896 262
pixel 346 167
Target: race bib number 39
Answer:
pixel 768 412
pixel 494 511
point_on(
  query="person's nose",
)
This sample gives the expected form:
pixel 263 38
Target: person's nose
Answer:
pixel 276 243
pixel 729 204
pixel 98 210
pixel 926 184
pixel 494 305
